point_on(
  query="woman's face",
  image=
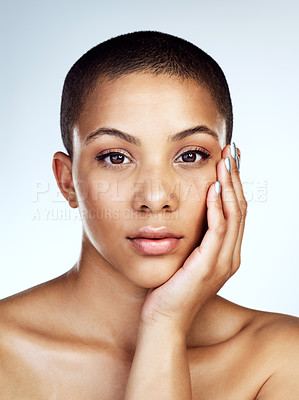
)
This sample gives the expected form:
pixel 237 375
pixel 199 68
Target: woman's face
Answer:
pixel 123 192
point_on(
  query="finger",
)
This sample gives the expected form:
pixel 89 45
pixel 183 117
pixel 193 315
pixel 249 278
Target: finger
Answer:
pixel 232 153
pixel 232 214
pixel 196 280
pixel 202 261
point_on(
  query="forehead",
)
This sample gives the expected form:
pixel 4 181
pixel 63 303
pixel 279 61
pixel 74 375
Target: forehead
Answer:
pixel 142 103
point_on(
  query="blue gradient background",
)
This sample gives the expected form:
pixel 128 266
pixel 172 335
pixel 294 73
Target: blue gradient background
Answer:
pixel 255 43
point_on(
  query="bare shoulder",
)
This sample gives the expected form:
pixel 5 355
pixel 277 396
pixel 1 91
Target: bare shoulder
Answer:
pixel 19 313
pixel 14 323
pixel 247 354
pixel 285 326
pixel 23 317
pixel 279 335
pixel 22 309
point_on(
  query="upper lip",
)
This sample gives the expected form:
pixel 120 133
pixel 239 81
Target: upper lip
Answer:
pixel 155 233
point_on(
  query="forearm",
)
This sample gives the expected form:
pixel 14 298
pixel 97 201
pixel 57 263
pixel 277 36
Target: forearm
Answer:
pixel 160 368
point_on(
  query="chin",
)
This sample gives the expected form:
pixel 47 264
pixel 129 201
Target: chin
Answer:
pixel 154 272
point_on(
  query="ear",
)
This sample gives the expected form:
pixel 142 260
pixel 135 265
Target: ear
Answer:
pixel 62 168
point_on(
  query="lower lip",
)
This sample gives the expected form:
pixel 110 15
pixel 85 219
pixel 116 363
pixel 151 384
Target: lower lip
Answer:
pixel 154 247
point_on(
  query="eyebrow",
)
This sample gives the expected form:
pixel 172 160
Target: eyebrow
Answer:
pixel 199 129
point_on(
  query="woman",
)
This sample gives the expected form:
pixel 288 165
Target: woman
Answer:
pixel 146 119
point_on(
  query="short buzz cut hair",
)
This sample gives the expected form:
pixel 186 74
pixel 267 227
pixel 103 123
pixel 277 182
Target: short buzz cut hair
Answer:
pixel 142 51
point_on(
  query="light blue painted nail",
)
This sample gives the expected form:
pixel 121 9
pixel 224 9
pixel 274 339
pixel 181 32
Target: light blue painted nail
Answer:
pixel 238 162
pixel 218 187
pixel 233 150
pixel 227 164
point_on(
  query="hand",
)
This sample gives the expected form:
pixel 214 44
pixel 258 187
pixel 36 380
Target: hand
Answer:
pixel 210 265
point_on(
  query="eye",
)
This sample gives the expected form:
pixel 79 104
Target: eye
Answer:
pixel 194 156
pixel 116 158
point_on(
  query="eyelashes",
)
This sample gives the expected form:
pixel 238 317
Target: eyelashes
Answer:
pixel 117 156
pixel 202 154
pixel 193 157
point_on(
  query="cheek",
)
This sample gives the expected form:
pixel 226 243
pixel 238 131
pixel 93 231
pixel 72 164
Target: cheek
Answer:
pixel 101 213
pixel 193 208
pixel 96 193
pixel 105 194
pixel 194 186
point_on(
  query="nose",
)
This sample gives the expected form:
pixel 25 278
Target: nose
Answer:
pixel 154 195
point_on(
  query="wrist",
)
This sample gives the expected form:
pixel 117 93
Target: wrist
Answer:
pixel 162 331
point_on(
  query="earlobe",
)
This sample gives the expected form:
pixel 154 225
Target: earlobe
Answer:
pixel 62 168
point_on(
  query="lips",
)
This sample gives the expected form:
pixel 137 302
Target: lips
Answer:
pixel 155 241
pixel 155 233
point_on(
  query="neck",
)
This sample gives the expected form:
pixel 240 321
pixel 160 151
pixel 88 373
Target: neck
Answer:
pixel 109 303
pixel 106 307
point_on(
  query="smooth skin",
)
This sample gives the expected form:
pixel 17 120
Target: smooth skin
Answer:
pixel 173 306
pixel 121 325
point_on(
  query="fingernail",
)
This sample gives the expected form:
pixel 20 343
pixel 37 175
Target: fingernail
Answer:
pixel 233 150
pixel 218 187
pixel 238 162
pixel 227 164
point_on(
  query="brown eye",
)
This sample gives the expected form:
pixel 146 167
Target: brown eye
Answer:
pixel 115 157
pixel 193 156
pixel 118 158
pixel 189 157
